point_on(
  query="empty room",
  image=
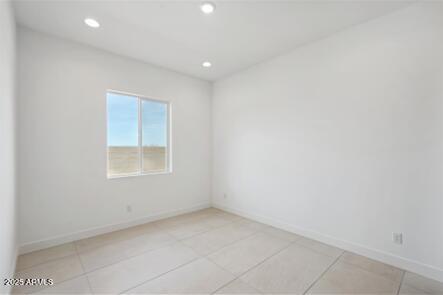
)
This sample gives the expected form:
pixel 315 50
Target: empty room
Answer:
pixel 221 147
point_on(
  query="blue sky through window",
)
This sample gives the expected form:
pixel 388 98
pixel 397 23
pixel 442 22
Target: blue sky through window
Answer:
pixel 154 123
pixel 123 121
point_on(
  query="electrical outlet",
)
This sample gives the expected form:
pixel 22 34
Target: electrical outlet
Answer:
pixel 128 208
pixel 397 238
pixel 225 196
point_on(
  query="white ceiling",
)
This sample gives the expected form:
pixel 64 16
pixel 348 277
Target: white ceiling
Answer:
pixel 178 36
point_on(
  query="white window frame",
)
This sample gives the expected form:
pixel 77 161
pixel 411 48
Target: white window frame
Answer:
pixel 141 98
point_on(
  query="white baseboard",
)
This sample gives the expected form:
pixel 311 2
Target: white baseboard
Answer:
pixel 388 258
pixel 58 240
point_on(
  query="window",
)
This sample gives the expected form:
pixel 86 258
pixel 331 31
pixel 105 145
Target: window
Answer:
pixel 138 135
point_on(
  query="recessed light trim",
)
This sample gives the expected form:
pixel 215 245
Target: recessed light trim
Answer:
pixel 92 23
pixel 206 64
pixel 207 7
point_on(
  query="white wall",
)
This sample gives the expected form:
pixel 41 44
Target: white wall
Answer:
pixel 63 189
pixel 8 251
pixel 342 139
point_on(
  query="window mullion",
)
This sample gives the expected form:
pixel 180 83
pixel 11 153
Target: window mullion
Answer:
pixel 140 134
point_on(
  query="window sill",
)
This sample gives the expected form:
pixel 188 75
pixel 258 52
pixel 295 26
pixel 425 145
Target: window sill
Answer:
pixel 138 175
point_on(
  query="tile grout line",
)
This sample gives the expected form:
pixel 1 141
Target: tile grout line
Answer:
pixel 257 291
pixel 225 246
pixel 47 261
pixel 133 256
pixel 203 232
pixel 370 271
pixel 205 256
pixel 266 259
pixel 85 273
pixel 241 239
pixel 251 268
pixel 323 273
pixel 238 277
pixel 176 240
pixel 130 257
pixel 401 282
pixel 315 250
pixel 83 267
pixel 156 277
pixel 201 256
pixel 180 241
pixel 175 268
pixel 232 243
pixel 52 260
pixel 78 253
pixel 235 278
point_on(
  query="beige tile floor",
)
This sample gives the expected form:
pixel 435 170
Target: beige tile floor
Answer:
pixel 211 252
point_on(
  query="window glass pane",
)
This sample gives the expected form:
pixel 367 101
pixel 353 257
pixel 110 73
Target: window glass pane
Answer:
pixel 123 149
pixel 155 136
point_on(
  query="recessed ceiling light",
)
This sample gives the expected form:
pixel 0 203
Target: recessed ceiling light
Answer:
pixel 206 64
pixel 207 7
pixel 92 22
